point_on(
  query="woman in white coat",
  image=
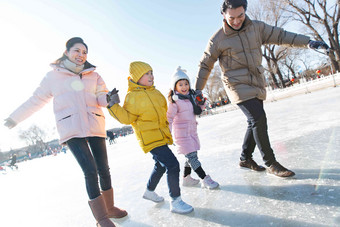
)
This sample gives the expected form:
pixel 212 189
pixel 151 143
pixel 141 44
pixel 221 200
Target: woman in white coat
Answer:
pixel 78 94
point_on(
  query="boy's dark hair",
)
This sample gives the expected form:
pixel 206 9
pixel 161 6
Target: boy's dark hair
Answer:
pixel 171 93
pixel 233 4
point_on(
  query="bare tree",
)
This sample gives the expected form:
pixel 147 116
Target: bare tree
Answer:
pixel 289 64
pixel 214 88
pixel 34 137
pixel 322 21
pixel 270 12
pixel 270 68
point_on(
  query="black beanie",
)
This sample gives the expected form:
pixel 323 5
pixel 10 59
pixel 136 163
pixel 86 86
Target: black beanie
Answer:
pixel 70 43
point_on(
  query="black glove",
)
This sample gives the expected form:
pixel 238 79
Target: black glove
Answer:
pixel 200 100
pixel 317 45
pixel 112 98
pixel 9 123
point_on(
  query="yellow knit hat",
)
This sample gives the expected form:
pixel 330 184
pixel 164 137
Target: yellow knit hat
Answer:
pixel 138 69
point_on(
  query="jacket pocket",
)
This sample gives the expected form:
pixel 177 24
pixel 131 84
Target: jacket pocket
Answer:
pixel 67 125
pixel 96 121
pixel 260 78
pixel 181 130
pixel 151 136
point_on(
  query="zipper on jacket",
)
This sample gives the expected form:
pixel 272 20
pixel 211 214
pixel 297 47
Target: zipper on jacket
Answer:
pixel 251 76
pixel 153 106
pixel 158 122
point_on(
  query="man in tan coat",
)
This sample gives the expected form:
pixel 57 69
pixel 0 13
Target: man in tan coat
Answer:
pixel 237 47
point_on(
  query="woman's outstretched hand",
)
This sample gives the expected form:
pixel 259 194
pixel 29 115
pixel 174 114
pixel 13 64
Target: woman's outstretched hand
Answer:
pixel 9 123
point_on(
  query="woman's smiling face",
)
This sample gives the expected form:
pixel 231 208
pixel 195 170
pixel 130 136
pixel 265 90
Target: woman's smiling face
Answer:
pixel 77 54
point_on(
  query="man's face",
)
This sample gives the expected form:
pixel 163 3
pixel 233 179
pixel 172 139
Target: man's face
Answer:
pixel 235 17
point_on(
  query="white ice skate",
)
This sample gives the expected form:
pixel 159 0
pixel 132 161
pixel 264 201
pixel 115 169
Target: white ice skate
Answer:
pixel 209 183
pixel 188 181
pixel 180 207
pixel 151 195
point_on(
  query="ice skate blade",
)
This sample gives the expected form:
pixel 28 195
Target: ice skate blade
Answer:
pixel 155 201
pixel 273 175
pixel 192 186
pixel 245 168
pixel 187 212
pixel 209 188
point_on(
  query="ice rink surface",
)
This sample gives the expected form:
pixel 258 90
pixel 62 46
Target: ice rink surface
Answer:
pixel 305 134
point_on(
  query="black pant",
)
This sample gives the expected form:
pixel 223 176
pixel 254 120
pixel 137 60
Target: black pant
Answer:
pixel 93 163
pixel 256 133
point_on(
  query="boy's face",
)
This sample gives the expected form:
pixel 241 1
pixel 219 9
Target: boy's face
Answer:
pixel 182 87
pixel 235 17
pixel 146 79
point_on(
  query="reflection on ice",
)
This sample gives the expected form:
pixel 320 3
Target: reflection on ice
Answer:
pixel 305 135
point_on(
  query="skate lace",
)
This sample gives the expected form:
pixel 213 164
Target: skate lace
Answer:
pixel 181 203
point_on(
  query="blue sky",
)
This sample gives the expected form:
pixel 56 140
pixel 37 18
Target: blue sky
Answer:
pixel 165 34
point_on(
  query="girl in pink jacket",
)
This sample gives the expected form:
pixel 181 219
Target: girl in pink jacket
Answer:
pixel 78 94
pixel 182 120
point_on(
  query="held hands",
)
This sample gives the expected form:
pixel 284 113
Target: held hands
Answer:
pixel 200 100
pixel 112 98
pixel 317 45
pixel 9 123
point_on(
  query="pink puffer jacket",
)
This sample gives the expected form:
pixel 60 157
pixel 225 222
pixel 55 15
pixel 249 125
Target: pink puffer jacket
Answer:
pixel 77 102
pixel 183 126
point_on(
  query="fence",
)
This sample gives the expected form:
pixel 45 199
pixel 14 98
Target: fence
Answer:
pixel 296 89
pixel 303 88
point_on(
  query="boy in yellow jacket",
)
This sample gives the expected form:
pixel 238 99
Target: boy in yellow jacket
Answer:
pixel 145 109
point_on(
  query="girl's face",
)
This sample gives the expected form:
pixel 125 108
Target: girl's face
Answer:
pixel 77 54
pixel 182 87
pixel 146 79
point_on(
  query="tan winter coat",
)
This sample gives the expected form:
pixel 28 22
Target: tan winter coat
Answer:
pixel 240 56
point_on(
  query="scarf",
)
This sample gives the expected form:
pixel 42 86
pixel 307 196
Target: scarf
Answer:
pixel 73 67
pixel 191 97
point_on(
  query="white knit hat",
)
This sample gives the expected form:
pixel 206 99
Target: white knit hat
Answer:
pixel 180 74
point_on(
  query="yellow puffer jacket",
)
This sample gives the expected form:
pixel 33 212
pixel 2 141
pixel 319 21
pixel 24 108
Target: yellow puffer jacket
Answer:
pixel 145 109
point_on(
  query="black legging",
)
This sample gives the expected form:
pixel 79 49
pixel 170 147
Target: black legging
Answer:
pixel 93 163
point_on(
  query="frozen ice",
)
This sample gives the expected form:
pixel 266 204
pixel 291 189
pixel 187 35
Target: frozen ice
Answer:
pixel 305 134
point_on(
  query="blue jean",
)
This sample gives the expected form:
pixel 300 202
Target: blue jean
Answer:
pixel 93 163
pixel 257 131
pixel 165 160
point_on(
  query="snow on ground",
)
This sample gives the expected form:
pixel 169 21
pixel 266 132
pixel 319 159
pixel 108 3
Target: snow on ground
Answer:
pixel 304 132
